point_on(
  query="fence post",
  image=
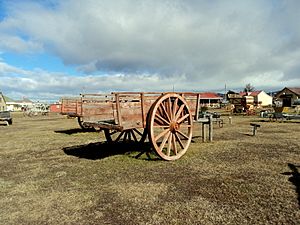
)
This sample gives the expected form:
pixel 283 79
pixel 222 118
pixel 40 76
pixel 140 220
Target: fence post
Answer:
pixel 203 132
pixel 210 128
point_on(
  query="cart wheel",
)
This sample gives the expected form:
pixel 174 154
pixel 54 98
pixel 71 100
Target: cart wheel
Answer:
pixel 80 122
pixel 126 136
pixel 170 126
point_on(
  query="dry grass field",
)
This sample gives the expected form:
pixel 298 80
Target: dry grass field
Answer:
pixel 51 172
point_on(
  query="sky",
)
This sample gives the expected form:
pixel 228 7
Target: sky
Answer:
pixel 55 48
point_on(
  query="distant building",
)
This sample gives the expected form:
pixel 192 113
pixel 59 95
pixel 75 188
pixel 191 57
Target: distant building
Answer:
pixel 2 103
pixel 56 107
pixel 288 97
pixel 260 98
pixel 210 99
pixel 18 105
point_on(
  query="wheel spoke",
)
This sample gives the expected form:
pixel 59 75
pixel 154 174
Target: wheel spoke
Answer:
pixel 136 130
pixel 162 119
pixel 175 107
pixel 169 144
pixel 133 135
pixel 165 112
pixel 179 112
pixel 183 118
pixel 128 135
pixel 161 126
pixel 174 145
pixel 170 108
pixel 161 134
pixel 179 141
pixel 164 141
pixel 158 121
pixel 182 134
pixel 125 136
pixel 119 137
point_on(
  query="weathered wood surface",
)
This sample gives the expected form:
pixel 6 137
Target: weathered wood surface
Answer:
pixel 126 109
pixel 71 106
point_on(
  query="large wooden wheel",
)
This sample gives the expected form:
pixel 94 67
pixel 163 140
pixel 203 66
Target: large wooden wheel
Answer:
pixel 126 136
pixel 170 126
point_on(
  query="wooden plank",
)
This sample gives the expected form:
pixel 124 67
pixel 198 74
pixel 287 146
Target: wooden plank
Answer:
pixel 197 107
pixel 144 115
pixel 131 113
pixel 103 125
pixel 119 120
pixel 100 112
pixel 71 106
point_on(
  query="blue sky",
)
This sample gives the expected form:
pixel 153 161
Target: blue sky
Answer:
pixel 42 61
pixel 50 49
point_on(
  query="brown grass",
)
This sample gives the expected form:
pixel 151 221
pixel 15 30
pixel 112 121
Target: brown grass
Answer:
pixel 54 173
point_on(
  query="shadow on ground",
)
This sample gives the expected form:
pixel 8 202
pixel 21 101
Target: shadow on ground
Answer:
pixel 294 178
pixel 74 131
pixel 101 150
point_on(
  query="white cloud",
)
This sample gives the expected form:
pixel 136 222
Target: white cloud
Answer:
pixel 17 44
pixel 189 44
pixel 39 84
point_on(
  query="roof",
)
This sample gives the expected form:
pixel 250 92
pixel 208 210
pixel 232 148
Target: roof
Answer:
pixel 296 90
pixel 8 99
pixel 209 95
pixel 26 100
pixel 252 93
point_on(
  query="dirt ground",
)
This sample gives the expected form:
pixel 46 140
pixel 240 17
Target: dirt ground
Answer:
pixel 52 172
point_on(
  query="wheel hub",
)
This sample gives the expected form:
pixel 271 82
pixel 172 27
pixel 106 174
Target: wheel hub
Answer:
pixel 174 126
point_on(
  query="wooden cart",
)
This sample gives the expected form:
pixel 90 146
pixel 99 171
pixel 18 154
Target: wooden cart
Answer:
pixel 165 118
pixel 71 106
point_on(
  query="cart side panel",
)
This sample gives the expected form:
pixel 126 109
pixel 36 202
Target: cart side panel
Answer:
pixel 131 114
pixel 93 111
pixel 134 111
pixel 71 106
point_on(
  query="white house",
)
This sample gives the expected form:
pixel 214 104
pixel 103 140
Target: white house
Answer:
pixel 260 97
pixel 17 105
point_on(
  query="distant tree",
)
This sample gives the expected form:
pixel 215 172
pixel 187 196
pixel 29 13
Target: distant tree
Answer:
pixel 249 88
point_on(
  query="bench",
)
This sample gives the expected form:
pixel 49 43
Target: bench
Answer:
pixel 255 126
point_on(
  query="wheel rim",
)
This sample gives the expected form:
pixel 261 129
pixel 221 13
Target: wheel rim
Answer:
pixel 126 136
pixel 170 126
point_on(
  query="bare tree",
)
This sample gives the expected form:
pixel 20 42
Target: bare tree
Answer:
pixel 249 88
